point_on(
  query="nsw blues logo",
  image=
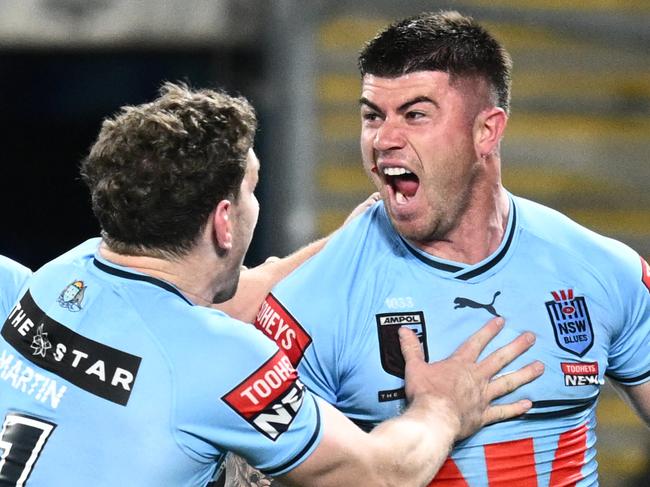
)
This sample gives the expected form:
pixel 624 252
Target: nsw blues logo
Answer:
pixel 571 323
pixel 72 296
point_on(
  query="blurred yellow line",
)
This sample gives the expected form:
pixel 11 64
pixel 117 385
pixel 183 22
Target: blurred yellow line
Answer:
pixel 551 182
pixel 348 32
pixel 343 126
pixel 612 412
pixel 578 127
pixel 580 5
pixel 620 86
pixel 329 220
pixel 627 462
pixel 338 88
pixel 607 222
pixel 343 178
pixel 614 222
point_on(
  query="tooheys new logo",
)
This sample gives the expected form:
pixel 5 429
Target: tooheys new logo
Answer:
pixel 270 398
pixel 277 323
pixel 580 373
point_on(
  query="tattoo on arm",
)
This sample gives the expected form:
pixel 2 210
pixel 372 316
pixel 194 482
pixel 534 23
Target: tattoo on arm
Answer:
pixel 241 474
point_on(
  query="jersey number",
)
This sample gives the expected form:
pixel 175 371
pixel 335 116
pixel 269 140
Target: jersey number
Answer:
pixel 21 441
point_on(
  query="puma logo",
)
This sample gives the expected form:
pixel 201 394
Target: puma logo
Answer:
pixel 468 303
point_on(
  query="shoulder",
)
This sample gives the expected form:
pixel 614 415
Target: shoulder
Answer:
pixel 352 252
pixel 198 332
pixel 13 277
pixel 605 257
pixel 13 272
pixel 563 233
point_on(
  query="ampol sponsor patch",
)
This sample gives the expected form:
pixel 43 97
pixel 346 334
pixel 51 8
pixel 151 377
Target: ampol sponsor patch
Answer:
pixel 580 373
pixel 270 397
pixel 275 321
pixel 387 325
pixel 571 322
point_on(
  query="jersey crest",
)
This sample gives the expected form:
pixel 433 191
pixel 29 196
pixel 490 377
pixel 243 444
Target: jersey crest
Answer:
pixel 571 323
pixel 387 325
pixel 72 296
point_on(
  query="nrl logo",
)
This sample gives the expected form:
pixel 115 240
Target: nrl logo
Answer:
pixel 571 322
pixel 72 296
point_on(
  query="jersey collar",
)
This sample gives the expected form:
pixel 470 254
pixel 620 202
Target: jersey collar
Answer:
pixel 465 272
pixel 125 273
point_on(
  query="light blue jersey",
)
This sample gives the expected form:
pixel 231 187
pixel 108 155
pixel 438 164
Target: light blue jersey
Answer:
pixel 13 277
pixel 109 377
pixel 586 297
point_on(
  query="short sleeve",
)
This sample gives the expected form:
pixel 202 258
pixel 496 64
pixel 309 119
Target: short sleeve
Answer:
pixel 13 277
pixel 249 401
pixel 629 360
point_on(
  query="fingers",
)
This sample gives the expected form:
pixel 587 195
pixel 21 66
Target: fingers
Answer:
pixel 507 383
pixel 502 412
pixel 410 345
pixel 471 348
pixel 498 359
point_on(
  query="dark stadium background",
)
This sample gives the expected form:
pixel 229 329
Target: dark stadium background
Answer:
pixel 52 107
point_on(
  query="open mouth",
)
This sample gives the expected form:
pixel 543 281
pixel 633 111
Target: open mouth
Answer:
pixel 403 183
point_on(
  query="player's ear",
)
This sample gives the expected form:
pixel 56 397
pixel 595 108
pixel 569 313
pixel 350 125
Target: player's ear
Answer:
pixel 489 126
pixel 221 222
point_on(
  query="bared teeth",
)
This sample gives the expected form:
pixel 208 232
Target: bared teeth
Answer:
pixel 395 171
pixel 400 197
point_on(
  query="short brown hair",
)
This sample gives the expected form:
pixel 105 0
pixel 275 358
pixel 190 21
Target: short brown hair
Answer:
pixel 440 41
pixel 157 170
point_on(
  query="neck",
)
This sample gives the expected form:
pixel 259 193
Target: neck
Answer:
pixel 479 232
pixel 189 274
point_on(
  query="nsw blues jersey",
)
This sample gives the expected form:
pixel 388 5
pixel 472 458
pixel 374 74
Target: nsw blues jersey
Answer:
pixel 110 377
pixel 12 279
pixel 586 297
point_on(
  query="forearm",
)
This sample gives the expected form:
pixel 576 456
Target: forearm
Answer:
pixel 256 283
pixel 427 436
pixel 404 451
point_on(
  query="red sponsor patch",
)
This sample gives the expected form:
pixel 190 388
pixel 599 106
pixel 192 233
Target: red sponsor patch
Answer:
pixel 580 368
pixel 645 273
pixel 580 373
pixel 270 397
pixel 276 322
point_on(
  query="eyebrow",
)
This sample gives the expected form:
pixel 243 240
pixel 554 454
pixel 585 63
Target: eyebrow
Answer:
pixel 403 107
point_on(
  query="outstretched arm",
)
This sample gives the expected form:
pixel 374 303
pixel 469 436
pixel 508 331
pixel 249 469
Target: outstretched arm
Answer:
pixel 256 283
pixel 448 400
